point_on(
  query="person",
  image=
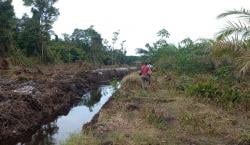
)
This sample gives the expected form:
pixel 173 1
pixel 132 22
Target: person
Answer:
pixel 145 74
pixel 150 66
pixel 150 72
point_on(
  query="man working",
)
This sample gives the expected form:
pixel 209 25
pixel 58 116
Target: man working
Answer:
pixel 145 74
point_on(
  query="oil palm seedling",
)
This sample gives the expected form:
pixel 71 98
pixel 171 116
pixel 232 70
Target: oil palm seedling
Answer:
pixel 238 34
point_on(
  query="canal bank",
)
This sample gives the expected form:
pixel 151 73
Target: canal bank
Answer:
pixel 161 115
pixel 79 114
pixel 26 105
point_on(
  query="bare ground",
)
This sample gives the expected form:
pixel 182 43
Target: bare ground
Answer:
pixel 32 97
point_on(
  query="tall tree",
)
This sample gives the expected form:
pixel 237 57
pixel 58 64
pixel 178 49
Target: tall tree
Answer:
pixel 149 51
pixel 164 35
pixel 96 46
pixel 6 26
pixel 114 40
pixel 44 15
pixel 27 36
pixel 91 42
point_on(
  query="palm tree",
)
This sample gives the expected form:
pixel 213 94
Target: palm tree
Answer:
pixel 142 51
pixel 238 33
pixel 239 29
pixel 146 53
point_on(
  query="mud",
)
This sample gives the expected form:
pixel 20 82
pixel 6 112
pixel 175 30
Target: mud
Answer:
pixel 28 103
pixel 3 64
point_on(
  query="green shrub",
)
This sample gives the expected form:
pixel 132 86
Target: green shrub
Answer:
pixel 183 82
pixel 234 95
pixel 18 58
pixel 225 74
pixel 231 95
pixel 223 95
pixel 208 90
pixel 189 62
pixel 183 60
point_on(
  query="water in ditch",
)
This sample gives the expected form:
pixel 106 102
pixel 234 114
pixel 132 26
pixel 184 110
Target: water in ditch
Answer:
pixel 56 132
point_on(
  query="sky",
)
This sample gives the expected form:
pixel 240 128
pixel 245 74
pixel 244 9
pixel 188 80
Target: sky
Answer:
pixel 140 20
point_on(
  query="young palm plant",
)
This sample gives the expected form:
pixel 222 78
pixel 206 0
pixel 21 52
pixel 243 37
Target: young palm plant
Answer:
pixel 238 34
pixel 238 29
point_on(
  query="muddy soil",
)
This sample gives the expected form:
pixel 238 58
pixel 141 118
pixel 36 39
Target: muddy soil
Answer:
pixel 33 98
pixel 4 64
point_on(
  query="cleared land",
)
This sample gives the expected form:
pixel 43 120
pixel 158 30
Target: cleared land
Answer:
pixel 162 115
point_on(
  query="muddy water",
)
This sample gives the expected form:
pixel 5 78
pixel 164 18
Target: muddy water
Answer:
pixel 56 132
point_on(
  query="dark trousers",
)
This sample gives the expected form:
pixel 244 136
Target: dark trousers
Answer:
pixel 145 80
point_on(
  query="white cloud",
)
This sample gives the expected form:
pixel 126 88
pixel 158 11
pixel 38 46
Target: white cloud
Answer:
pixel 139 20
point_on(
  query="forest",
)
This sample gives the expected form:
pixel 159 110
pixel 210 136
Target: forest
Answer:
pixel 30 39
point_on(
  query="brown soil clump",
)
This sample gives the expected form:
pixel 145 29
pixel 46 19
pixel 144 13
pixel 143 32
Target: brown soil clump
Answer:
pixel 36 96
pixel 4 64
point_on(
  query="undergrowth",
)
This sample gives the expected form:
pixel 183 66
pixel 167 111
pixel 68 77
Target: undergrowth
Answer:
pixel 157 120
pixel 17 58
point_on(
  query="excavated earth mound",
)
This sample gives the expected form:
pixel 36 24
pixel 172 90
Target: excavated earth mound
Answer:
pixel 25 105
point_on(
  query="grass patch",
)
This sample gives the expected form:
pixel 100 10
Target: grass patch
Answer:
pixel 157 120
pixel 82 139
pixel 131 82
pixel 245 138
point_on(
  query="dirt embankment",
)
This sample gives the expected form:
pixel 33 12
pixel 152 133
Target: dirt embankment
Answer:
pixel 160 115
pixel 32 98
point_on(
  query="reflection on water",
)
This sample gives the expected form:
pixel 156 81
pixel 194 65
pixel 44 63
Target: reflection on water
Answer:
pixel 91 98
pixel 44 136
pixel 56 132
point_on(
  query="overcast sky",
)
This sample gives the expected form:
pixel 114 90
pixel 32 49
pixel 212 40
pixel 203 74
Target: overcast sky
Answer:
pixel 139 20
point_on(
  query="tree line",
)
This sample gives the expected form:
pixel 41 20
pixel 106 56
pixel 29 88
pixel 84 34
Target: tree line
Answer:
pixel 32 38
pixel 216 70
pixel 230 48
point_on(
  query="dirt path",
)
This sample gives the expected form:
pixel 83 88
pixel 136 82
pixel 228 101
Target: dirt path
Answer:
pixel 162 116
pixel 33 98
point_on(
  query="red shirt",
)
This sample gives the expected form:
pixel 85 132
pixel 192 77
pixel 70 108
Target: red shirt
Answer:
pixel 145 70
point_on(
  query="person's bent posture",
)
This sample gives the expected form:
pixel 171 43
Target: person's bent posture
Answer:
pixel 145 74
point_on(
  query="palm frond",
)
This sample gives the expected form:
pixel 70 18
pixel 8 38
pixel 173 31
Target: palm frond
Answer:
pixel 246 34
pixel 239 29
pixel 223 48
pixel 243 13
pixel 244 63
pixel 141 51
pixel 238 34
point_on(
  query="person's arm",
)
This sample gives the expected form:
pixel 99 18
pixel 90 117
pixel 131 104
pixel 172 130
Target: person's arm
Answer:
pixel 149 71
pixel 140 72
